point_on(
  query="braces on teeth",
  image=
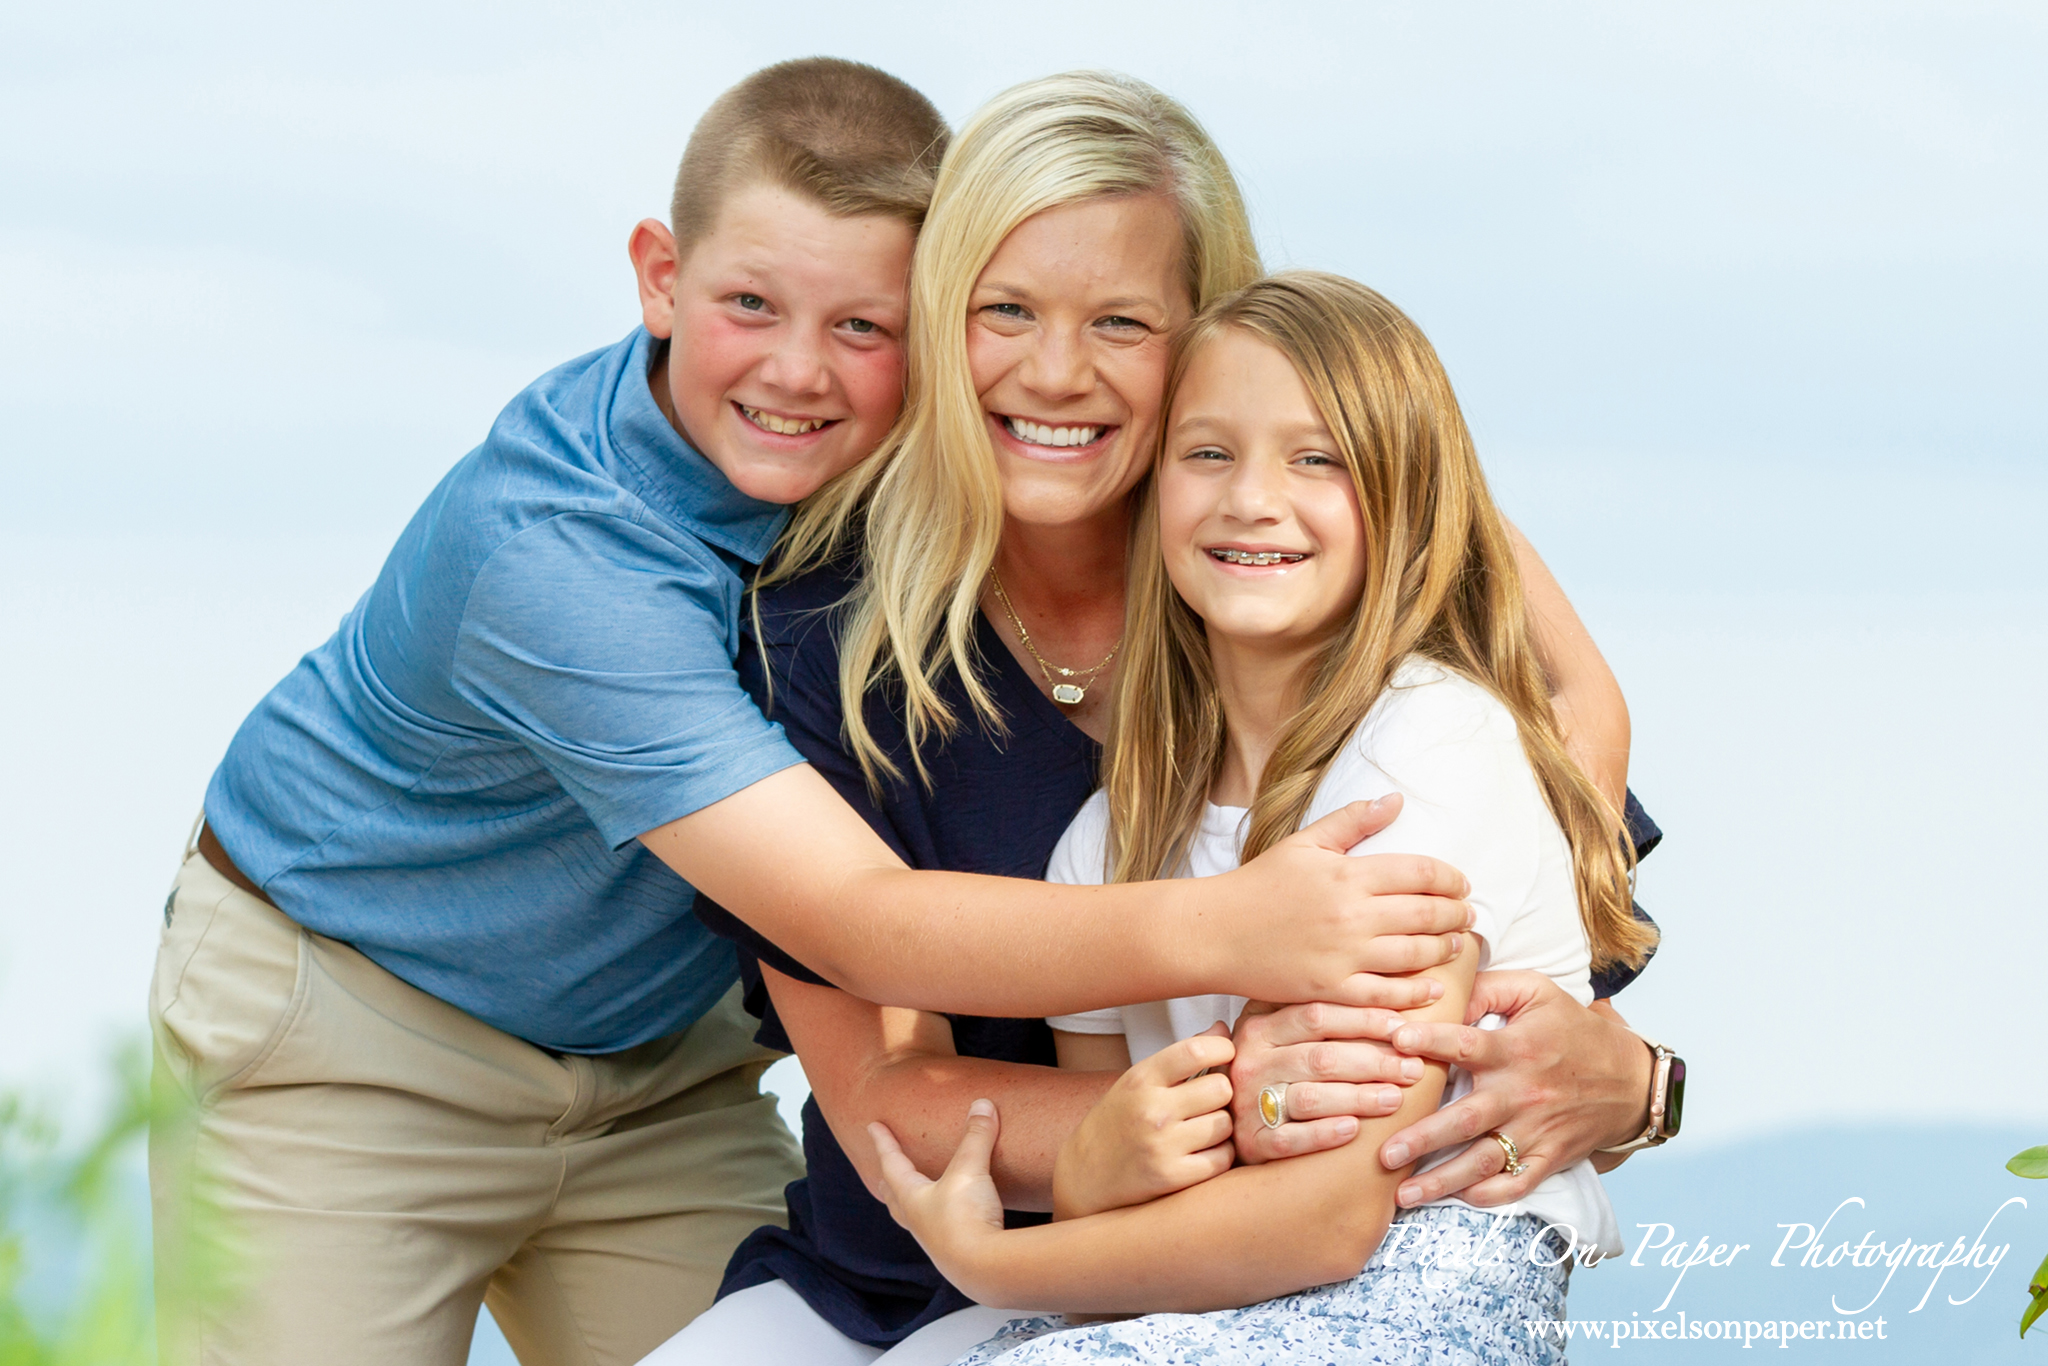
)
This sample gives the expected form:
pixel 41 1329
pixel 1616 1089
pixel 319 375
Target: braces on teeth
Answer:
pixel 1257 556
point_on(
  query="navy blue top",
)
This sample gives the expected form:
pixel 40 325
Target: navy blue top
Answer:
pixel 543 671
pixel 997 804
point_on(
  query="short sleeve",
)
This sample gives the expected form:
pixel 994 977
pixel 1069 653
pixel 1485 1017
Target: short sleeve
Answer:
pixel 1452 751
pixel 607 649
pixel 1080 859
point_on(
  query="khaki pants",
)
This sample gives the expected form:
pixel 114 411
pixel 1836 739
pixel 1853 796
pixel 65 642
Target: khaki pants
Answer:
pixel 376 1163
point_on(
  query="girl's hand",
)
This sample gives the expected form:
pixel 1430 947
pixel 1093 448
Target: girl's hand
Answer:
pixel 1164 1126
pixel 956 1218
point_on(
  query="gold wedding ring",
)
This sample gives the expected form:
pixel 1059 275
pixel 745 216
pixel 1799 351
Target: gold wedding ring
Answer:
pixel 1273 1104
pixel 1515 1165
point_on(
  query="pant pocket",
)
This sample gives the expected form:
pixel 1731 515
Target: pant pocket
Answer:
pixel 227 978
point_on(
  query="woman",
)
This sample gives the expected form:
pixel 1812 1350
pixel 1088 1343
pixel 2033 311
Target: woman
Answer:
pixel 1078 221
pixel 1325 609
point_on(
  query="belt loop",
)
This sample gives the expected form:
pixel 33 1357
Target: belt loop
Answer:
pixel 192 838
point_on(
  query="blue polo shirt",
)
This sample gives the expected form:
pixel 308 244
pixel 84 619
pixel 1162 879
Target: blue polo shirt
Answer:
pixel 543 671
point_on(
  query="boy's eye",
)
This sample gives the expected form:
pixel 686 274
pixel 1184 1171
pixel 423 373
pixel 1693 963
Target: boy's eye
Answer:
pixel 753 303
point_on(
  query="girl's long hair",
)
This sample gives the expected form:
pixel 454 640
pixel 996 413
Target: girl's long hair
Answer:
pixel 1441 582
pixel 927 509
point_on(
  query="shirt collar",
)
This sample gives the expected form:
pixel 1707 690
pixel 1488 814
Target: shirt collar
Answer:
pixel 671 477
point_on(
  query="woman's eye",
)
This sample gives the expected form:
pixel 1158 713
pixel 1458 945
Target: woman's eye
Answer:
pixel 1121 323
pixel 753 303
pixel 1007 311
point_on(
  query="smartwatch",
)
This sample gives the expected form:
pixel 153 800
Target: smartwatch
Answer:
pixel 1667 1100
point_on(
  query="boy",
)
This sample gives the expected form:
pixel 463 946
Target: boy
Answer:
pixel 451 1033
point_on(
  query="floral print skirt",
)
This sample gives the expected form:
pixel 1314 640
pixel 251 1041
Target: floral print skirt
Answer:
pixel 1450 1286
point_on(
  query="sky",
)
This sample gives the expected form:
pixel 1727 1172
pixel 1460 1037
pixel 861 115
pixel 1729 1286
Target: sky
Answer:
pixel 1741 300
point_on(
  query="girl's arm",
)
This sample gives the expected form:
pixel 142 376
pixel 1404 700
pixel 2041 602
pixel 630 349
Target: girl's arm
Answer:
pixel 1248 1235
pixel 1587 698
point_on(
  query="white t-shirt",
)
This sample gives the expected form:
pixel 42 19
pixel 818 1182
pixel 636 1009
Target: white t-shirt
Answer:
pixel 1452 750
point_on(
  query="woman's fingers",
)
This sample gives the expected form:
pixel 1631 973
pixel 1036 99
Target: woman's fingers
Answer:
pixel 1459 1123
pixel 1329 1099
pixel 1318 1020
pixel 1467 1046
pixel 1295 1138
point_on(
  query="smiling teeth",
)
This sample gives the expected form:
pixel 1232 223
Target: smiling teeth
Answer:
pixel 1040 435
pixel 1258 556
pixel 782 426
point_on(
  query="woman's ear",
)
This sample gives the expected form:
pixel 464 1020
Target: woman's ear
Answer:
pixel 656 264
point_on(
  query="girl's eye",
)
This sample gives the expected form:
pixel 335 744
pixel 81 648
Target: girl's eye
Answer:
pixel 861 325
pixel 1316 458
pixel 753 303
pixel 1207 453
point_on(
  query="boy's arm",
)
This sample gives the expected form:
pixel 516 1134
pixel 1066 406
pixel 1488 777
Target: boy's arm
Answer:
pixel 1584 692
pixel 1248 1235
pixel 869 1063
pixel 1301 922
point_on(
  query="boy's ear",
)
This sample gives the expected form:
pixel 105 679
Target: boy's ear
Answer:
pixel 655 263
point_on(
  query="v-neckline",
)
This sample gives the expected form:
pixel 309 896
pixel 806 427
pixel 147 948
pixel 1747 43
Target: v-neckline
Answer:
pixel 1042 708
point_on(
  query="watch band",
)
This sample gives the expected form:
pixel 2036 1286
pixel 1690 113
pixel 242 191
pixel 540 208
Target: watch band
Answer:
pixel 1667 1100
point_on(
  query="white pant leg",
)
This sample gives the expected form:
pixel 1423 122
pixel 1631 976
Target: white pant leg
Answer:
pixel 768 1325
pixel 948 1339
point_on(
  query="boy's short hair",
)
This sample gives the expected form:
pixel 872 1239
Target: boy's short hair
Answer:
pixel 852 138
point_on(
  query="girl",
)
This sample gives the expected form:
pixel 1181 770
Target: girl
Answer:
pixel 1325 608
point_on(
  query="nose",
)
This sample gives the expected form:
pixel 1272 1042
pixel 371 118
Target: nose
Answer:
pixel 797 365
pixel 1058 366
pixel 1253 493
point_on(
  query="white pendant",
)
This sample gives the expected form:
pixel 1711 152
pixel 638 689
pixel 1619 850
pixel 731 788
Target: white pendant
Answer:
pixel 1068 694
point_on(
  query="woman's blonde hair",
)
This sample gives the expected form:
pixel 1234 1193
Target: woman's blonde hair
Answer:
pixel 1441 582
pixel 927 509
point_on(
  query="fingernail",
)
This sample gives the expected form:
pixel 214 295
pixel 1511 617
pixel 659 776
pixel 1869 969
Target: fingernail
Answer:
pixel 1471 916
pixel 1390 1098
pixel 1346 1126
pixel 982 1107
pixel 1380 803
pixel 1397 1156
pixel 1409 1197
pixel 1436 989
pixel 1411 1068
pixel 1406 1037
pixel 1454 946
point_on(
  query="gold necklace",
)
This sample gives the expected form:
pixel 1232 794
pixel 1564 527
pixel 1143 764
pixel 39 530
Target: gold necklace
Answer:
pixel 1066 694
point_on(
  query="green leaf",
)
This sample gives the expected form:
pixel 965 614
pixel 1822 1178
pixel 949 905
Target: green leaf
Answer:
pixel 2031 1163
pixel 2033 1312
pixel 2040 1281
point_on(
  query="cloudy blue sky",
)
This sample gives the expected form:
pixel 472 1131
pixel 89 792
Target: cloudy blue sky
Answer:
pixel 1743 301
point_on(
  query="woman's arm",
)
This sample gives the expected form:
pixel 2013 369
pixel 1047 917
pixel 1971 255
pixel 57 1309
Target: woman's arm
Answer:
pixel 1584 692
pixel 1249 1235
pixel 869 1063
pixel 1301 922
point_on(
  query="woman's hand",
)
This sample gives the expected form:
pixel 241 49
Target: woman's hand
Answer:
pixel 1164 1126
pixel 956 1218
pixel 1559 1079
pixel 1334 1061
